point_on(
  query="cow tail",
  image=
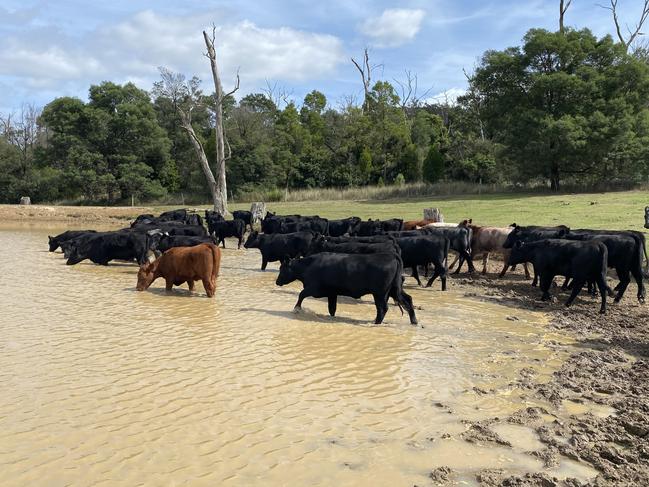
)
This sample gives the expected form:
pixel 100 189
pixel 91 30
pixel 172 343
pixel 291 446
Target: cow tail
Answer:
pixel 447 248
pixel 643 243
pixel 397 284
pixel 216 261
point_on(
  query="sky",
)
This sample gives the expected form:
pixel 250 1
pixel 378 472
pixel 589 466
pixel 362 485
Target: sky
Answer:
pixel 59 48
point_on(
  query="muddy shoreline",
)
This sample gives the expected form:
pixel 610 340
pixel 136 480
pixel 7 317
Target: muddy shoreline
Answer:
pixel 611 370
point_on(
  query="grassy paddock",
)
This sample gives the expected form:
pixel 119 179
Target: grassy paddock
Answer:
pixel 616 210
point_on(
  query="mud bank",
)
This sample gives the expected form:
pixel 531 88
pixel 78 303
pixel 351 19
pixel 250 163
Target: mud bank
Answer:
pixel 604 387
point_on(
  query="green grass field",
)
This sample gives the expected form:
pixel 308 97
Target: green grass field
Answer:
pixel 615 210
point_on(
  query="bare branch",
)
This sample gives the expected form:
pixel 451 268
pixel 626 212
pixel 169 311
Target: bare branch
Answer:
pixel 366 73
pixel 632 34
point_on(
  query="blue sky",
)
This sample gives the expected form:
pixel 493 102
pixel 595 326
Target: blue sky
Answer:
pixel 50 49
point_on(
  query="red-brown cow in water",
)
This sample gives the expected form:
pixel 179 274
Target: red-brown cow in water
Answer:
pixel 491 239
pixel 183 264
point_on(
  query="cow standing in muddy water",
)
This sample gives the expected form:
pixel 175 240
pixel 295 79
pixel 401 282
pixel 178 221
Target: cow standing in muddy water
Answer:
pixel 355 275
pixel 183 264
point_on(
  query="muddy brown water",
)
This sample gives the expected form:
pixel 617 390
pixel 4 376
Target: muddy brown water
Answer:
pixel 104 385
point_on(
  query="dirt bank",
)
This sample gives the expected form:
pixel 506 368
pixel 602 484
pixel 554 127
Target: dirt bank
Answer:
pixel 94 215
pixel 606 384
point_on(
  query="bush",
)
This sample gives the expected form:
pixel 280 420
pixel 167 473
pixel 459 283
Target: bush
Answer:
pixel 399 180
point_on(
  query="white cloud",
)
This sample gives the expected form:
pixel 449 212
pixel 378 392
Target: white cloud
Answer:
pixel 134 48
pixel 448 96
pixel 394 26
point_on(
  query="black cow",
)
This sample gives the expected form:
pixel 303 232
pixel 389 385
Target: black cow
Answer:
pixel 143 219
pixel 167 242
pixel 102 247
pixel 279 247
pixel 626 251
pixel 392 225
pixel 646 217
pixel 372 239
pixel 331 275
pixel 460 241
pixel 56 241
pixel 194 219
pixel 368 228
pixel 346 226
pixel 228 228
pixel 581 261
pixel 245 216
pixel 173 228
pixel 533 233
pixel 213 215
pixel 179 215
pixel 424 250
pixel 319 244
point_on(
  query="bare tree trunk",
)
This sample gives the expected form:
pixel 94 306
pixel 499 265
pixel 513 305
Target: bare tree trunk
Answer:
pixel 366 75
pixel 220 191
pixel 205 165
pixel 563 8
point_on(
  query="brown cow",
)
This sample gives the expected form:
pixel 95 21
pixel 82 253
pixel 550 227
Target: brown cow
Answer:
pixel 491 239
pixel 183 264
pixel 416 224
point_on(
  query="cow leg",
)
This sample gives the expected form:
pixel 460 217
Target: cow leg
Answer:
pixel 264 263
pixel 168 284
pixel 624 282
pixel 461 258
pixel 637 275
pixel 223 241
pixel 469 261
pixel 457 257
pixel 415 274
pixel 485 261
pixel 333 301
pixel 535 281
pixel 190 283
pixel 406 301
pixel 545 283
pixel 505 264
pixel 303 295
pixel 381 304
pixel 601 284
pixel 209 287
pixel 527 271
pixel 240 241
pixel 435 275
pixel 566 284
pixel 576 287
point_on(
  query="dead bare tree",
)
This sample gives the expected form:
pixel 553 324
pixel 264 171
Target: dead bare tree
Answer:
pixel 631 34
pixel 409 89
pixel 218 184
pixel 278 94
pixel 564 5
pixel 365 70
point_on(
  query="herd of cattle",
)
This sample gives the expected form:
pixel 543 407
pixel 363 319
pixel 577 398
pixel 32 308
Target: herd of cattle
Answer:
pixel 351 257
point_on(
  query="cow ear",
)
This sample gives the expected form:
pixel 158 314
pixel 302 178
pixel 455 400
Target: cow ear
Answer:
pixel 518 244
pixel 50 238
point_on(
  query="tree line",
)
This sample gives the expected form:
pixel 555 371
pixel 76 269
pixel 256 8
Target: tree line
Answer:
pixel 563 106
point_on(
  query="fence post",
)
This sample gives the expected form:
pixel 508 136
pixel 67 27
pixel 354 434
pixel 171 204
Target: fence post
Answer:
pixel 433 214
